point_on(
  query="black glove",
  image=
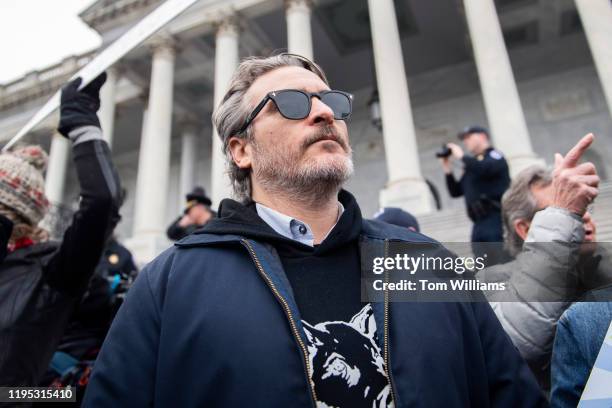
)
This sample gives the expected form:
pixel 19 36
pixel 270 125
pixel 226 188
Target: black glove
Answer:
pixel 78 108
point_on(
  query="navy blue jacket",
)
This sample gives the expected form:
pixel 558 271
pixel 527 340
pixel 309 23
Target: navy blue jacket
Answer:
pixel 485 176
pixel 212 322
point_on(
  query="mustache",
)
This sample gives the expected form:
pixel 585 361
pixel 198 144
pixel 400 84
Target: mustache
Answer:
pixel 325 133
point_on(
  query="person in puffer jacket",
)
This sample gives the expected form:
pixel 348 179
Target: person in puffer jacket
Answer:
pixel 551 233
pixel 41 281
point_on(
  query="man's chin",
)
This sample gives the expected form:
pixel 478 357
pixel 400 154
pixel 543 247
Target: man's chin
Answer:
pixel 330 163
pixel 325 152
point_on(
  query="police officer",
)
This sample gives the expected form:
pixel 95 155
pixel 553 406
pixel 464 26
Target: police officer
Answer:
pixel 197 212
pixel 485 179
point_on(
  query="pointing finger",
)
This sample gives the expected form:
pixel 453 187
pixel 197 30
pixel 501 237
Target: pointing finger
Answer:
pixel 572 157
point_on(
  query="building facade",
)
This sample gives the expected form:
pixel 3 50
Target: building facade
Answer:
pixel 538 73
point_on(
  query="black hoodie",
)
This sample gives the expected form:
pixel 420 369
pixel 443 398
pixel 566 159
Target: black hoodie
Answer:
pixel 326 284
pixel 325 278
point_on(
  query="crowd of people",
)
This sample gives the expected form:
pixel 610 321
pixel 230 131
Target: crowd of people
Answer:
pixel 260 304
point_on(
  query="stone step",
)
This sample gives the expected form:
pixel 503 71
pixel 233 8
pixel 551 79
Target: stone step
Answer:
pixel 453 225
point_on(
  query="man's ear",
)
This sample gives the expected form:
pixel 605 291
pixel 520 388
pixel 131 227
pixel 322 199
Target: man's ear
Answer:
pixel 521 227
pixel 241 152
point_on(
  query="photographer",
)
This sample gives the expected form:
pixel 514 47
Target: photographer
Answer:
pixel 483 182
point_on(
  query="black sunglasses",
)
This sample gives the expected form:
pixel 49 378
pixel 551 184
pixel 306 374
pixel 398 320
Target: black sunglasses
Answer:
pixel 295 104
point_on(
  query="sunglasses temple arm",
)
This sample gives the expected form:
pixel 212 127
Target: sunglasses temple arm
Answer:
pixel 254 113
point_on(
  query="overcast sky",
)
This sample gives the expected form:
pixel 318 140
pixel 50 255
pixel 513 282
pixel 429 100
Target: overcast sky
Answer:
pixel 38 33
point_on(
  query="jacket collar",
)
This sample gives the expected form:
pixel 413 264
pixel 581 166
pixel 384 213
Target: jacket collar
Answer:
pixel 370 229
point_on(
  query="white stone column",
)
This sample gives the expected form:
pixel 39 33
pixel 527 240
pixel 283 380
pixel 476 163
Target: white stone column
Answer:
pixel 406 188
pixel 106 114
pixel 596 16
pixel 226 61
pixel 299 32
pixel 141 153
pixel 499 91
pixel 154 159
pixel 55 179
pixel 189 160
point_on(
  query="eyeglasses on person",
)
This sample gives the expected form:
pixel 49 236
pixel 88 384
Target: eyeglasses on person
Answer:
pixel 295 104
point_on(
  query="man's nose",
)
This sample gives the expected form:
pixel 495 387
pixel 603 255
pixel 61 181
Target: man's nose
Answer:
pixel 586 218
pixel 320 112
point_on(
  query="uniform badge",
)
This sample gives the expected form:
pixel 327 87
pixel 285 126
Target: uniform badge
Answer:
pixel 495 154
pixel 113 259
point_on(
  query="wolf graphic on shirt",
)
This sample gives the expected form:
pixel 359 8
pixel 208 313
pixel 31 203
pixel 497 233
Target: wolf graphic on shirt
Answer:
pixel 347 368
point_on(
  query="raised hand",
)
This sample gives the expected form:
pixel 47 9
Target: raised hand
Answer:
pixel 78 107
pixel 456 150
pixel 575 186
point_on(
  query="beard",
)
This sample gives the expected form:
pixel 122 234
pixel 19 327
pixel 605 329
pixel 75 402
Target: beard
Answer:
pixel 285 171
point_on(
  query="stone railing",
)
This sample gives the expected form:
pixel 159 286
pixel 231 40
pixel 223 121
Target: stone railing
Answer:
pixel 37 84
pixel 105 10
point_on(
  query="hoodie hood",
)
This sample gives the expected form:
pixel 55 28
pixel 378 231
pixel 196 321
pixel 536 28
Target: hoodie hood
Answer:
pixel 242 219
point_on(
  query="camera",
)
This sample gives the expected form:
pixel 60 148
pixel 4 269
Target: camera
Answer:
pixel 445 151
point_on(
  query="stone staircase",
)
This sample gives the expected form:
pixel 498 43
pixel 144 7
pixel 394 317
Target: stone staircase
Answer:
pixel 454 225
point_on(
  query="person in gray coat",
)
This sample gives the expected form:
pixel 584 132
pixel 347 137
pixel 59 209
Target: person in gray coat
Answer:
pixel 551 234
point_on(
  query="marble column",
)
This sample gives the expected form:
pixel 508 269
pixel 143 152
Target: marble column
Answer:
pixel 501 99
pixel 299 33
pixel 154 158
pixel 406 187
pixel 226 61
pixel 55 179
pixel 106 114
pixel 189 160
pixel 596 16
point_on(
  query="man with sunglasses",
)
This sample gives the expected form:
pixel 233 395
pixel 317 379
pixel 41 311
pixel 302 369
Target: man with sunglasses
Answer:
pixel 262 307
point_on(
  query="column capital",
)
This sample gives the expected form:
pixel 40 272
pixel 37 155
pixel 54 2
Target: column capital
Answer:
pixel 227 24
pixel 299 5
pixel 164 44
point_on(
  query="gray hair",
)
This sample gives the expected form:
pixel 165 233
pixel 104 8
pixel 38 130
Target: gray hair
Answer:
pixel 233 110
pixel 518 203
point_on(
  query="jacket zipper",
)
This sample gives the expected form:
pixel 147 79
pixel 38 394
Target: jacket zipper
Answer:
pixel 289 315
pixel 386 332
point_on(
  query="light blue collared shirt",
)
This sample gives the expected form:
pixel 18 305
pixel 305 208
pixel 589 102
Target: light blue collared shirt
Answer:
pixel 289 227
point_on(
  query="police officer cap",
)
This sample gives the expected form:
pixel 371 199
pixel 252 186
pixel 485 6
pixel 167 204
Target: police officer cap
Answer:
pixel 472 129
pixel 196 196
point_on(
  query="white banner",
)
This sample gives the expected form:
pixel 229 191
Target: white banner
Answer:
pixel 124 44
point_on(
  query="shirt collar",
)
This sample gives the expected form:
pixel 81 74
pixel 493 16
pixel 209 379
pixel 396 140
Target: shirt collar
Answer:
pixel 290 227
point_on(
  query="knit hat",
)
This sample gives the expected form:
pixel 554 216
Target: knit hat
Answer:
pixel 22 185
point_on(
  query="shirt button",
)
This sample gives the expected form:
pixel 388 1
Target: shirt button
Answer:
pixel 302 229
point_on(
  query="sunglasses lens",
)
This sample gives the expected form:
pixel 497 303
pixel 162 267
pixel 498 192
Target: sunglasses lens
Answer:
pixel 292 104
pixel 339 103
